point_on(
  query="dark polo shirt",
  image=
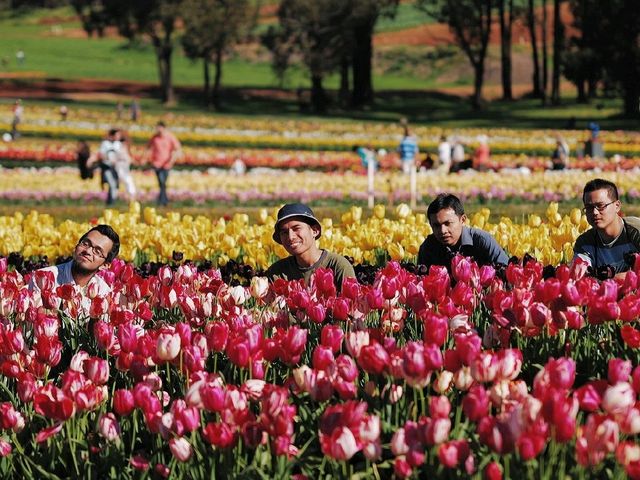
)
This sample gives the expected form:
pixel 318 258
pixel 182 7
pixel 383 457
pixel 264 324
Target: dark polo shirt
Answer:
pixel 474 243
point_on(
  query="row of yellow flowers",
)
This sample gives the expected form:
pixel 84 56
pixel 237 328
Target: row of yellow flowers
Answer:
pixel 398 233
pixel 304 134
pixel 65 182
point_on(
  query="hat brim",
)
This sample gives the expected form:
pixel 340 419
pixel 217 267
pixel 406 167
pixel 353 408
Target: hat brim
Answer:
pixel 308 219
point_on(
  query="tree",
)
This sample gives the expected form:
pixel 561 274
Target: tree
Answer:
pixel 558 49
pixel 153 18
pixel 470 22
pixel 532 25
pixel 211 26
pixel 362 20
pixel 313 31
pixel 506 23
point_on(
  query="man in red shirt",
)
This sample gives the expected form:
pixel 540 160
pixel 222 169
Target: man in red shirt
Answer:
pixel 164 149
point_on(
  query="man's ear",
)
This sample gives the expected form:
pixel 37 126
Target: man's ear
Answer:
pixel 316 231
pixel 463 218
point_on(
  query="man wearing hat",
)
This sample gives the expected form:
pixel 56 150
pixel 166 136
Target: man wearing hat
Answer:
pixel 297 230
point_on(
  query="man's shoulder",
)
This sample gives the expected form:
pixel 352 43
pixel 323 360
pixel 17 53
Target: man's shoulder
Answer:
pixel 633 222
pixel 280 266
pixel 333 258
pixel 586 238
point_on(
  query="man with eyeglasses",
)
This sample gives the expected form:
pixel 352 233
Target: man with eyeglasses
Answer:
pixel 94 252
pixel 609 246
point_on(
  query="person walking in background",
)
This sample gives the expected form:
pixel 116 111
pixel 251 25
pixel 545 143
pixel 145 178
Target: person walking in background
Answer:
pixel 560 154
pixel 123 165
pixel 83 153
pixel 134 109
pixel 18 112
pixel 110 151
pixel 444 155
pixel 408 149
pixel 458 160
pixel 164 149
pixel 481 154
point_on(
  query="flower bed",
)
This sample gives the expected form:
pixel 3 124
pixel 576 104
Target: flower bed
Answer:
pixel 40 152
pixel 531 372
pixel 308 135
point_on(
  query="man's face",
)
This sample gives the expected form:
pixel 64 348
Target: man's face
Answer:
pixel 297 237
pixel 447 226
pixel 91 252
pixel 159 129
pixel 601 209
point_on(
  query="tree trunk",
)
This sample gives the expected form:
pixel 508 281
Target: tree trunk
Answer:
pixel 318 96
pixel 478 79
pixel 558 44
pixel 207 81
pixel 363 51
pixel 505 48
pixel 545 57
pixel 531 17
pixel 163 56
pixel 218 78
pixel 582 97
pixel 343 94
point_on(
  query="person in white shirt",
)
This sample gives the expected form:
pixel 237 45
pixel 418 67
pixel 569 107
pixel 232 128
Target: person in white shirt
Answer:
pixel 94 252
pixel 109 154
pixel 444 154
pixel 123 165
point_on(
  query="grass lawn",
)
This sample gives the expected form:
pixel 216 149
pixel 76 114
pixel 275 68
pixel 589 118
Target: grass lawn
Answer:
pixel 58 55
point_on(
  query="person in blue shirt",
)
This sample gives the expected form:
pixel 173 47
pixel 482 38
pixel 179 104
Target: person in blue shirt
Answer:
pixel 408 150
pixel 609 245
pixel 452 237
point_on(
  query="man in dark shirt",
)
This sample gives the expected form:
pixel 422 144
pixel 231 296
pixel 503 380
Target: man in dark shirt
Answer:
pixel 451 236
pixel 297 230
pixel 612 237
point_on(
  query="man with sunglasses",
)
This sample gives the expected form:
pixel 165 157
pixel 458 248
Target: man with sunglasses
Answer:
pixel 609 246
pixel 94 252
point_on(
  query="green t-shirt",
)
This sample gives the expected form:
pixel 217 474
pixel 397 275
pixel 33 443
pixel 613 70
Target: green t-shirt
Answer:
pixel 289 269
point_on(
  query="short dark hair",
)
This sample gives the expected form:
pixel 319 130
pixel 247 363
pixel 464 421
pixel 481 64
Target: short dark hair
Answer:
pixel 444 201
pixel 160 124
pixel 111 234
pixel 601 184
pixel 113 131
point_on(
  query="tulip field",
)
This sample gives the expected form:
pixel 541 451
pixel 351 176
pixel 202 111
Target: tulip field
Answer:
pixel 192 365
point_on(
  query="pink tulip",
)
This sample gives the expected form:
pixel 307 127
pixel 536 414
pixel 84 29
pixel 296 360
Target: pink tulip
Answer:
pixel 439 407
pixel 332 336
pixel 168 346
pixel 619 370
pixel 123 402
pixel 180 449
pixel 619 398
pixel 97 370
pixel 109 428
pixel 476 403
pixel 451 454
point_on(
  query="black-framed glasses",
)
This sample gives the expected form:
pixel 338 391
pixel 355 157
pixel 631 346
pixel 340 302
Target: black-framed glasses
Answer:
pixel 95 250
pixel 596 206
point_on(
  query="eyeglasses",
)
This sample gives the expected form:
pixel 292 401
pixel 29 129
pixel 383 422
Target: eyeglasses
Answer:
pixel 95 251
pixel 600 207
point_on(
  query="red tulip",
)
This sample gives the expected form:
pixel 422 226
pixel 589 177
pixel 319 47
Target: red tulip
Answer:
pixel 451 454
pixel 492 471
pixel 220 435
pixel 123 402
pixel 373 358
pixel 53 403
pixel 332 336
pixel 322 357
pixel 436 328
pixel 476 403
pixel 97 370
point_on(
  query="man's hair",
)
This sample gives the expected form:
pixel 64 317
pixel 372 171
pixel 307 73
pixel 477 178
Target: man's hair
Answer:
pixel 111 234
pixel 601 184
pixel 113 131
pixel 444 201
pixel 160 124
